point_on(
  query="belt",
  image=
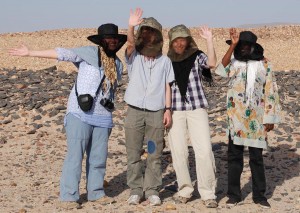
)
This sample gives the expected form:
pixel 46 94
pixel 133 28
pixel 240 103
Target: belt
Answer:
pixel 142 109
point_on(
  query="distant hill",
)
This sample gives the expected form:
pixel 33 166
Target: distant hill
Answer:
pixel 266 24
pixel 281 44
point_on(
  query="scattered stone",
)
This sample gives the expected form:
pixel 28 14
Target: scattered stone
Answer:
pixel 53 113
pixel 22 211
pixel 37 126
pixel 6 121
pixel 33 131
pixel 170 207
pixel 61 107
pixel 3 140
pixel 21 86
pixel 13 183
pixel 38 117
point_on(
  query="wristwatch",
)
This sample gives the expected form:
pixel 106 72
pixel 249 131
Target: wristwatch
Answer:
pixel 168 108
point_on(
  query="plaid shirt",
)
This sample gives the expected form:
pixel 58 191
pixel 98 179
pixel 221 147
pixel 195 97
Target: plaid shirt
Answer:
pixel 195 93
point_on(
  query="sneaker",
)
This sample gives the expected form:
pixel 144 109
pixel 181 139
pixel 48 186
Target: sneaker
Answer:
pixel 105 200
pixel 134 200
pixel 154 200
pixel 264 204
pixel 231 202
pixel 211 203
pixel 69 205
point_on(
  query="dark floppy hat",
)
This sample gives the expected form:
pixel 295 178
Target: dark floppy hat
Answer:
pixel 251 38
pixel 247 36
pixel 108 30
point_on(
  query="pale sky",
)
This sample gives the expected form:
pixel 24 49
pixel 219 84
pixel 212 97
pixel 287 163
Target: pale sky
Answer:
pixel 36 15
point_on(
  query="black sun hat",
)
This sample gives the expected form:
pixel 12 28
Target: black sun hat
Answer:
pixel 246 36
pixel 108 30
pixel 250 38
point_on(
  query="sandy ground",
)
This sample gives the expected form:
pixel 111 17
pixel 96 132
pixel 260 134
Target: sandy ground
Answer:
pixel 31 161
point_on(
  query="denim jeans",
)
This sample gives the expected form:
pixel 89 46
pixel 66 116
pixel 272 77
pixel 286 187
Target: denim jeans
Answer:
pixel 81 138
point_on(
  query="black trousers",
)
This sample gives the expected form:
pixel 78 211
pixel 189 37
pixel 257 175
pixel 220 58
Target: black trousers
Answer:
pixel 235 169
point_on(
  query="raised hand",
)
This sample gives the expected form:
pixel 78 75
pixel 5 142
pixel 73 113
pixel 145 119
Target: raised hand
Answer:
pixel 205 32
pixel 135 17
pixel 234 36
pixel 21 51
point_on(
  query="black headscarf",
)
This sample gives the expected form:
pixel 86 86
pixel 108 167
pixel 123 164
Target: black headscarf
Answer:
pixel 182 71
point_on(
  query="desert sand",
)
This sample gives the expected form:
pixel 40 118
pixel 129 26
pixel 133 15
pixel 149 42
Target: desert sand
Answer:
pixel 33 97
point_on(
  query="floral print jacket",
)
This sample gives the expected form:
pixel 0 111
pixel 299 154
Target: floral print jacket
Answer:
pixel 246 115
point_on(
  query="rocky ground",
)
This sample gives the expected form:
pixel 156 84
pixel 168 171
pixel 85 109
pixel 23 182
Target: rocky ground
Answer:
pixel 33 143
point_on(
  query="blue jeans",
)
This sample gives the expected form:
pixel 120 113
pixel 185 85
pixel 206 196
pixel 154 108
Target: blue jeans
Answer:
pixel 81 138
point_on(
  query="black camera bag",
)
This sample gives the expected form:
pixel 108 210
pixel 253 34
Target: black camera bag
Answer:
pixel 85 101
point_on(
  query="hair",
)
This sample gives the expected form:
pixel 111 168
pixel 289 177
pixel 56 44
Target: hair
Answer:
pixel 157 43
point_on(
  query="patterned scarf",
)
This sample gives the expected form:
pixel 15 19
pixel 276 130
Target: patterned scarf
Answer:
pixel 109 66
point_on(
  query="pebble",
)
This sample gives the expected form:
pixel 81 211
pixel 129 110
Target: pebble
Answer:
pixel 33 131
pixel 6 121
pixel 170 207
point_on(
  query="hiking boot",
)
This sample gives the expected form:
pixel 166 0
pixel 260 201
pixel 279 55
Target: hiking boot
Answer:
pixel 263 203
pixel 211 203
pixel 154 200
pixel 134 200
pixel 105 200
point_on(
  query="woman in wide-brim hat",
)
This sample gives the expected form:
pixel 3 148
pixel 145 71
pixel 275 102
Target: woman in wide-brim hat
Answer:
pixel 252 110
pixel 247 47
pixel 108 31
pixel 87 130
pixel 189 116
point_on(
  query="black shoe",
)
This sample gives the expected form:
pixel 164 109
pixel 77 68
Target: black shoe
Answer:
pixel 231 202
pixel 263 203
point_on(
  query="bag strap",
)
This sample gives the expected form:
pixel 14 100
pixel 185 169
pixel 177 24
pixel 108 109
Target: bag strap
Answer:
pixel 97 89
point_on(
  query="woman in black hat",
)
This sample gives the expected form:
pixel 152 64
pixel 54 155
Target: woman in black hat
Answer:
pixel 252 108
pixel 88 120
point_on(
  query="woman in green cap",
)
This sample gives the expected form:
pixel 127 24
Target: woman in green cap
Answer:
pixel 191 66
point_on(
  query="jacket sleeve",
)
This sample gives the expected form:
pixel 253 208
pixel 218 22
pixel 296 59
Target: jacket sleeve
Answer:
pixel 224 71
pixel 272 105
